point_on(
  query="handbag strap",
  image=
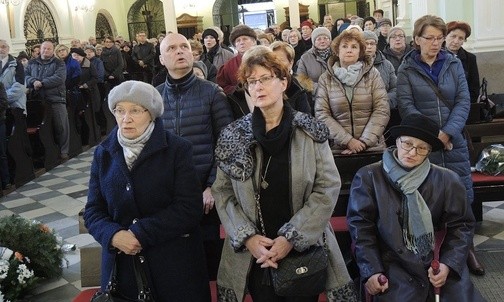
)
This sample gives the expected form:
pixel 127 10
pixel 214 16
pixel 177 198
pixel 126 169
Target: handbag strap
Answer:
pixel 144 291
pixel 439 94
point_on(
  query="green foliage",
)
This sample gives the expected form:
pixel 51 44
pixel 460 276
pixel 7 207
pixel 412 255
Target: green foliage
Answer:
pixel 35 246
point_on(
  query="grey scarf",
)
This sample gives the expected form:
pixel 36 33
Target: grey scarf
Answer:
pixel 133 147
pixel 418 231
pixel 347 76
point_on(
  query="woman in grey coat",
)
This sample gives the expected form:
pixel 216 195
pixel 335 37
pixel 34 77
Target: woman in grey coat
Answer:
pixel 432 82
pixel 256 156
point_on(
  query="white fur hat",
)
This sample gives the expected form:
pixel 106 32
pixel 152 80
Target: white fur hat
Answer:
pixel 139 93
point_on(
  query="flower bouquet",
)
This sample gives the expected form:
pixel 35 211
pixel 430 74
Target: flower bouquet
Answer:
pixel 29 252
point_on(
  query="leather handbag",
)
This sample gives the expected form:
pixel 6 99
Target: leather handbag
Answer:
pixel 111 294
pixel 299 273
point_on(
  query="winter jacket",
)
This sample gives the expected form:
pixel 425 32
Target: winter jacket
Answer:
pixel 364 117
pixel 395 60
pixel 89 85
pixel 196 110
pixel 311 65
pixel 13 77
pixel 161 193
pixel 314 187
pixel 100 70
pixel 415 95
pixel 220 58
pixel 374 217
pixel 227 75
pixel 52 74
pixel 113 63
pixel 144 52
pixel 73 73
pixel 388 75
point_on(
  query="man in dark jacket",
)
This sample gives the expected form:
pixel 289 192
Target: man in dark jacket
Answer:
pixel 113 63
pixel 4 167
pixel 46 76
pixel 197 110
pixel 143 55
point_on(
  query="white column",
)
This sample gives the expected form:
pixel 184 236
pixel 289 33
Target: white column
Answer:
pixel 294 13
pixel 169 16
pixel 487 25
pixel 4 24
pixel 404 17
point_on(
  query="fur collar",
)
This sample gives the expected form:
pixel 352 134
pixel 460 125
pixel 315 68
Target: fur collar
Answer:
pixel 235 146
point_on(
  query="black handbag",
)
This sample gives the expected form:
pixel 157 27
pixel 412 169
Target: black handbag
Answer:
pixel 299 273
pixel 111 294
pixel 487 107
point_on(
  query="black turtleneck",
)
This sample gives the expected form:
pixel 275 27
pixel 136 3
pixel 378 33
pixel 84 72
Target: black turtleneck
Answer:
pixel 181 80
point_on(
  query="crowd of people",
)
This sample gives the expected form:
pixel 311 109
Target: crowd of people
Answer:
pixel 211 133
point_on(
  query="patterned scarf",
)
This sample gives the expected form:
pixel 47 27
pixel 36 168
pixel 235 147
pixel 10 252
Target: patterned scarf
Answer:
pixel 324 54
pixel 417 228
pixel 348 76
pixel 133 147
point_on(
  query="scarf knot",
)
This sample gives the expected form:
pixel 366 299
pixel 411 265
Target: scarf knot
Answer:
pixel 348 76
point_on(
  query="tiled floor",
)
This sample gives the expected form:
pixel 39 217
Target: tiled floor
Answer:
pixel 56 197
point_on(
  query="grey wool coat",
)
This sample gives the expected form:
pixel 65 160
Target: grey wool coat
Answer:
pixel 314 185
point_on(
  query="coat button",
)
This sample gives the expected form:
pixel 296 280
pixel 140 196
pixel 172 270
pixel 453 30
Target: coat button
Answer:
pixel 128 187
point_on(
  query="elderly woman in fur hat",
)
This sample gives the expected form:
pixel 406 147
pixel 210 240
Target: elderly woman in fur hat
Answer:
pixel 295 201
pixel 351 98
pixel 145 200
pixel 395 209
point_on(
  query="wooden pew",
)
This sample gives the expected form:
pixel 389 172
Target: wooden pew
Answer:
pixel 19 148
pixel 486 188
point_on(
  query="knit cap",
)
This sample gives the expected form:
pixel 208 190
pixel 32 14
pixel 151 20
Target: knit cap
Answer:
pixel 137 92
pixel 368 35
pixel 320 31
pixel 210 32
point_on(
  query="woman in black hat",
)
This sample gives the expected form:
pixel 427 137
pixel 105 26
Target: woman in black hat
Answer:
pixel 395 207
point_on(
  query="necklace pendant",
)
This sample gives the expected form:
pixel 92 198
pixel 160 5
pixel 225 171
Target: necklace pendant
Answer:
pixel 264 184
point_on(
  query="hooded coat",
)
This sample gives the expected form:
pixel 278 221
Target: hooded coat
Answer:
pixel 415 95
pixel 374 217
pixel 364 117
pixel 314 189
pixel 162 192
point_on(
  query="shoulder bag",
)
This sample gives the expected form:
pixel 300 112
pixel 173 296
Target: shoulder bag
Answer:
pixel 111 294
pixel 299 273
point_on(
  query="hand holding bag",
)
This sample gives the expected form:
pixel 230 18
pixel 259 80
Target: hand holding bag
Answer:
pixel 111 294
pixel 299 273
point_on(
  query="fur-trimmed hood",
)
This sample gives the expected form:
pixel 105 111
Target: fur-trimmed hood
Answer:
pixel 234 151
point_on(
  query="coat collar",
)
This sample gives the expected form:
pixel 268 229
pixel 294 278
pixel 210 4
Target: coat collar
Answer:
pixel 156 142
pixel 234 151
pixel 181 86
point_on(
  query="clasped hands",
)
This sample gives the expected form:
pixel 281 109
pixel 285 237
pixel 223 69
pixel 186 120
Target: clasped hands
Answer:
pixel 126 242
pixel 374 287
pixel 354 146
pixel 268 251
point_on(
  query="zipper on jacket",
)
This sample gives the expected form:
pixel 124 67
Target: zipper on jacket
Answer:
pixel 177 115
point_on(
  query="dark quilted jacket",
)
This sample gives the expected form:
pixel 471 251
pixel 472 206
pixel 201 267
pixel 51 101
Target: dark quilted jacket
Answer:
pixel 197 110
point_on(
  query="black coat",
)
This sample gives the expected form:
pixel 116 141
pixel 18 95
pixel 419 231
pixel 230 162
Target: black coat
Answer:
pixel 471 72
pixel 162 192
pixel 374 218
pixel 89 84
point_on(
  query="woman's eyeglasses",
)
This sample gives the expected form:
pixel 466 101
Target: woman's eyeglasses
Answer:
pixel 408 146
pixel 264 80
pixel 432 39
pixel 135 112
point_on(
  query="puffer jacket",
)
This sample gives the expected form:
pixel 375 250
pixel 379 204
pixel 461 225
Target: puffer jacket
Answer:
pixel 311 65
pixel 13 78
pixel 196 110
pixel 52 74
pixel 395 60
pixel 314 187
pixel 220 58
pixel 364 117
pixel 415 95
pixel 388 75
